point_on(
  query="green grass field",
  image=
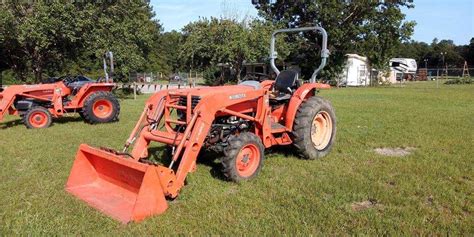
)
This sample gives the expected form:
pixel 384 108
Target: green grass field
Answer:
pixel 430 191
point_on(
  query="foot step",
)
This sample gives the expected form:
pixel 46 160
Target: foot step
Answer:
pixel 276 127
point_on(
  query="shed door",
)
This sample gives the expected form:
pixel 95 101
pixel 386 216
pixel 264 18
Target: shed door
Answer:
pixel 362 75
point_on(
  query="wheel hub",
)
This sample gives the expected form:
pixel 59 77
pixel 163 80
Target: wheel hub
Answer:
pixel 245 159
pixel 248 160
pixel 38 119
pixel 102 108
pixel 321 130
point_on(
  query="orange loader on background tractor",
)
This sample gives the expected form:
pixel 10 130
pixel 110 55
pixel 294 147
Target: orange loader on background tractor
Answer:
pixel 38 104
pixel 240 121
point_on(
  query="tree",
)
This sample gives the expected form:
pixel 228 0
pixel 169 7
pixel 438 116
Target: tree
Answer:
pixel 452 58
pixel 371 28
pixel 49 37
pixel 165 55
pixel 208 42
pixel 35 35
pixel 126 28
pixel 416 50
pixel 468 52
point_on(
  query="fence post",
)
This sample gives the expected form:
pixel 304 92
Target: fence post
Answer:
pixel 194 81
pixel 134 90
pixel 437 78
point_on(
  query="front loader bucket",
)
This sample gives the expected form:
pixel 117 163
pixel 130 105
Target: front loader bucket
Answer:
pixel 122 188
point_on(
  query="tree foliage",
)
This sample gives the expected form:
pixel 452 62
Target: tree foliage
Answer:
pixel 454 55
pixel 49 37
pixel 165 54
pixel 53 38
pixel 209 42
pixel 370 28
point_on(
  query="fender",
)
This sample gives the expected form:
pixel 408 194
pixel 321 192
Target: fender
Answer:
pixel 301 94
pixel 267 84
pixel 88 89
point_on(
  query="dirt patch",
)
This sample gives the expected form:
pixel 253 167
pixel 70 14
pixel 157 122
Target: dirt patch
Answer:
pixel 397 152
pixel 360 206
pixel 231 190
pixel 430 200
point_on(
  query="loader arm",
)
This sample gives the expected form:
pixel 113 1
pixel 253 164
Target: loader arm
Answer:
pixel 6 102
pixel 188 143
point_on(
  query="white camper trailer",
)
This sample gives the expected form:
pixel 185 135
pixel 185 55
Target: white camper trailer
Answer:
pixel 403 68
pixel 356 72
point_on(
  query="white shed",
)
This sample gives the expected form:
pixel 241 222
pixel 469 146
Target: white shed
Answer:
pixel 356 72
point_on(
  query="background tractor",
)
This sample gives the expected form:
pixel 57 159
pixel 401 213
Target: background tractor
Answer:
pixel 240 121
pixel 38 104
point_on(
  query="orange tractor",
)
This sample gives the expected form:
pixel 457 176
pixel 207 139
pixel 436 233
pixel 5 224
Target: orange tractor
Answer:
pixel 38 104
pixel 240 121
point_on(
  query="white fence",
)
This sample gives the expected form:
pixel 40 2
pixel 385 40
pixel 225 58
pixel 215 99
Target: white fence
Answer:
pixel 192 77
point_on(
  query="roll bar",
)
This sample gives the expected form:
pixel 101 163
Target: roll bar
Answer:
pixel 108 55
pixel 324 49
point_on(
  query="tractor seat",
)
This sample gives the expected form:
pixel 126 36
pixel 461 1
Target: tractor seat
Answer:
pixel 285 82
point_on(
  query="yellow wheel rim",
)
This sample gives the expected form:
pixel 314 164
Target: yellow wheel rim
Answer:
pixel 321 130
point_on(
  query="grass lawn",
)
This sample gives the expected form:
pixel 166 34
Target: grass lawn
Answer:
pixel 429 191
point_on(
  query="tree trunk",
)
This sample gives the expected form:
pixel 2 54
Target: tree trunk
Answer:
pixel 38 71
pixel 238 69
pixel 37 66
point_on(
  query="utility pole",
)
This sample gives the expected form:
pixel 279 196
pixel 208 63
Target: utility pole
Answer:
pixel 445 70
pixel 437 78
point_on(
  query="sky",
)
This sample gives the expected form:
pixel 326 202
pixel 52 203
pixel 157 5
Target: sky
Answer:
pixel 443 19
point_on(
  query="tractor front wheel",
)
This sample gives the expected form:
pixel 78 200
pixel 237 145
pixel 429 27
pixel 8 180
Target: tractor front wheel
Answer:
pixel 101 107
pixel 243 157
pixel 314 129
pixel 81 114
pixel 37 117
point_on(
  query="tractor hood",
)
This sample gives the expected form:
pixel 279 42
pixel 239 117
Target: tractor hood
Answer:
pixel 213 91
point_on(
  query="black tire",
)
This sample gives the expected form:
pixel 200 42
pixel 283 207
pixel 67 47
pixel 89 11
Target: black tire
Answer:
pixel 237 143
pixel 37 117
pixel 81 114
pixel 88 109
pixel 303 128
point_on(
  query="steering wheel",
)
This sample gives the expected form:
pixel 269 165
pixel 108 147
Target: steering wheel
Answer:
pixel 68 79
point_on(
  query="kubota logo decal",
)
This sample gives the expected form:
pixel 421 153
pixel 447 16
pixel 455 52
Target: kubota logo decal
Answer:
pixel 31 86
pixel 237 96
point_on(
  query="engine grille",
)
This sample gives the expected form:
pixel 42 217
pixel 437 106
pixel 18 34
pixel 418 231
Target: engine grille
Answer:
pixel 194 101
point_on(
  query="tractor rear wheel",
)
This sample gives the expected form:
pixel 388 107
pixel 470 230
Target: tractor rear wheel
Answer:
pixel 243 157
pixel 314 129
pixel 37 117
pixel 101 107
